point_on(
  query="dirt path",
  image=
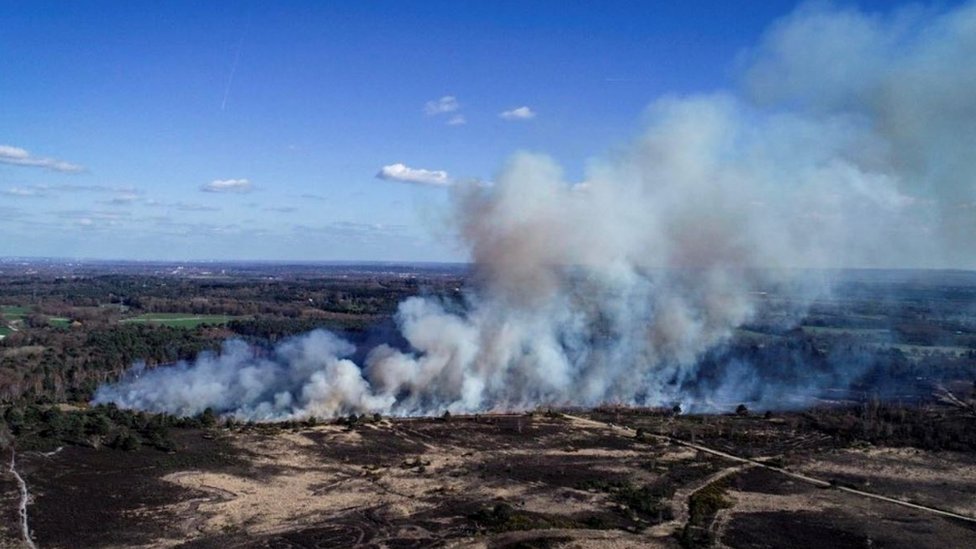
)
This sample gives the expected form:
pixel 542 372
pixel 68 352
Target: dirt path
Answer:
pixel 799 476
pixel 580 538
pixel 681 502
pixel 214 495
pixel 24 499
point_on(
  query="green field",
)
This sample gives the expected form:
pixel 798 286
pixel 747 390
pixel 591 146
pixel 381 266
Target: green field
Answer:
pixel 751 335
pixel 861 332
pixel 12 312
pixel 180 320
pixel 5 331
pixel 932 349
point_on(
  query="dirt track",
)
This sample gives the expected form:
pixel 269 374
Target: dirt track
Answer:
pixel 25 532
pixel 792 474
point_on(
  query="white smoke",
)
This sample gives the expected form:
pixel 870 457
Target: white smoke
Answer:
pixel 307 373
pixel 850 145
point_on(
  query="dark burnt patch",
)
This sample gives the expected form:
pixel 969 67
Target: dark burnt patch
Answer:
pixel 86 497
pixel 764 481
pixel 846 527
pixel 522 431
pixel 376 446
pixel 785 529
pixel 566 471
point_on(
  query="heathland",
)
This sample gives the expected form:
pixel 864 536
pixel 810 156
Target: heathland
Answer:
pixel 884 455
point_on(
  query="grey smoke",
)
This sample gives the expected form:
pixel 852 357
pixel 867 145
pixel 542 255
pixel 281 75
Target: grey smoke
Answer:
pixel 308 373
pixel 849 144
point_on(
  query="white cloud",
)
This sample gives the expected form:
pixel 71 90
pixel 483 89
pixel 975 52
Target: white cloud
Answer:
pixel 23 191
pixel 71 188
pixel 457 120
pixel 519 113
pixel 582 186
pixel 228 186
pixel 406 174
pixel 194 207
pixel 365 232
pixel 445 104
pixel 104 215
pixel 123 198
pixel 20 157
pixel 123 195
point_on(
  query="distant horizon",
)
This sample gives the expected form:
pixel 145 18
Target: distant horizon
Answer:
pixel 407 263
pixel 5 259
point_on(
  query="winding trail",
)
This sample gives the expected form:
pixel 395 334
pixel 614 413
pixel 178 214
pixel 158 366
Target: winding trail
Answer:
pixel 798 476
pixel 681 502
pixel 24 498
pixel 213 495
pixel 46 454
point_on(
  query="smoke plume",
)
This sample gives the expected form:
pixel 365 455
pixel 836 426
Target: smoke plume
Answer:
pixel 848 144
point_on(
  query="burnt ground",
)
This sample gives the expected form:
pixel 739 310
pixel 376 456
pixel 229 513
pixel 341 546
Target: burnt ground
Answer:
pixel 832 529
pixel 529 480
pixel 84 497
pixel 818 518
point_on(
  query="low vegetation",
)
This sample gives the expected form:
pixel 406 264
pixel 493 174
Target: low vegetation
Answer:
pixel 702 507
pixel 892 424
pixel 502 517
pixel 45 428
pixel 649 502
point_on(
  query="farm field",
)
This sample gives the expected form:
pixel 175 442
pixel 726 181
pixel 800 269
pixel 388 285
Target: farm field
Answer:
pixel 858 332
pixel 13 312
pixel 179 320
pixel 18 314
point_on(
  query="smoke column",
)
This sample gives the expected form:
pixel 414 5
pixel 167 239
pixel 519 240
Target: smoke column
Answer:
pixel 848 143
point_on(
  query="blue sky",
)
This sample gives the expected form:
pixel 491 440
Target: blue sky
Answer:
pixel 192 130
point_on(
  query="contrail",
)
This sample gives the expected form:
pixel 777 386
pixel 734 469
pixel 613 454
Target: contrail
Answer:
pixel 237 58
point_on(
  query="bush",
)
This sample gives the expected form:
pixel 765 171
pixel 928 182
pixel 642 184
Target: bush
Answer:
pixel 126 442
pixel 208 418
pixel 502 517
pixel 649 501
pixel 702 507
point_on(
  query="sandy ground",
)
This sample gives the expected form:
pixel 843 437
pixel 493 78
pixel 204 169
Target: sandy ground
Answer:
pixel 417 483
pixel 945 480
pixel 304 488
